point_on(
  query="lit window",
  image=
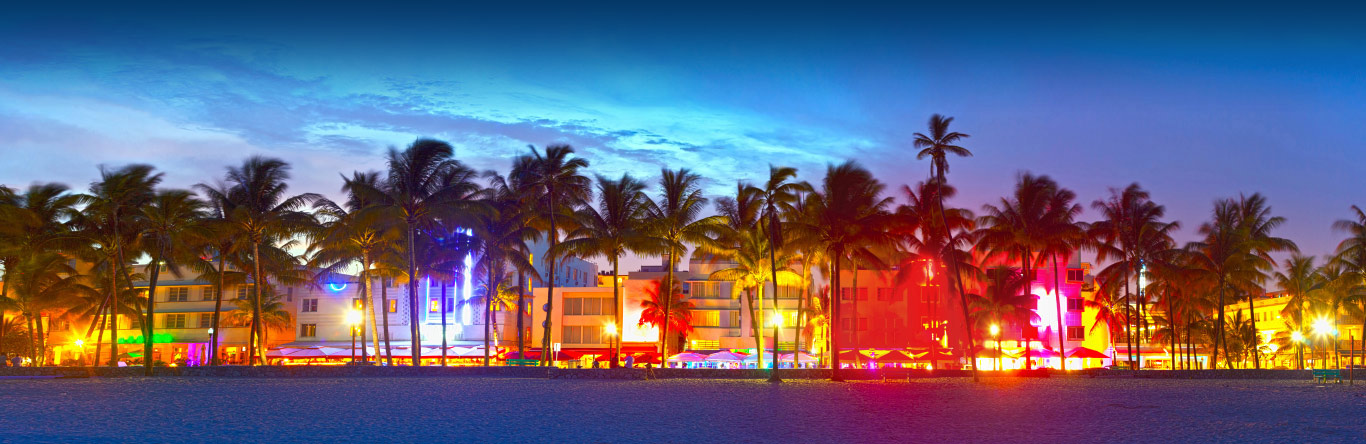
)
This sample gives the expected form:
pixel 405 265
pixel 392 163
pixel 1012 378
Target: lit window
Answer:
pixel 308 330
pixel 205 320
pixel 177 294
pixel 1076 333
pixel 209 294
pixel 308 306
pixel 1075 304
pixel 1074 275
pixel 393 305
pixel 174 321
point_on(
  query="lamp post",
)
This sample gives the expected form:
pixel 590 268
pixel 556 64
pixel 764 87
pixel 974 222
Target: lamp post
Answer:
pixel 611 344
pixel 777 321
pixel 353 319
pixel 996 336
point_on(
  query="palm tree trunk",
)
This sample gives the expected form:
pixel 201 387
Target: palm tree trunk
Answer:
pixel 1062 326
pixel 756 330
pixel 374 311
pixel 801 316
pixel 258 285
pixel 384 299
pixel 521 303
pixel 413 330
pixel 616 312
pixel 490 292
pixel 32 338
pixel 835 318
pixel 1129 323
pixel 113 314
pixel 148 325
pixel 217 309
pixel 364 313
pixel 1252 316
pixel 546 358
pixel 1171 325
pixel 443 323
pixel 1025 262
pixel 667 299
pixel 1220 338
pixel 853 317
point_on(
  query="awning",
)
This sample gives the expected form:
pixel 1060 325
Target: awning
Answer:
pixel 1086 353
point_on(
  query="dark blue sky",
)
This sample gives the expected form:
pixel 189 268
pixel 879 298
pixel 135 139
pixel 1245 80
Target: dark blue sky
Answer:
pixel 1195 103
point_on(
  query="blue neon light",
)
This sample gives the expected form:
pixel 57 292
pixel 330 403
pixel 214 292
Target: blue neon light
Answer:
pixel 335 287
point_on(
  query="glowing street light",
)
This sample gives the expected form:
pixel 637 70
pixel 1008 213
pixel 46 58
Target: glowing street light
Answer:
pixel 996 336
pixel 1323 327
pixel 353 319
pixel 80 343
pixel 611 341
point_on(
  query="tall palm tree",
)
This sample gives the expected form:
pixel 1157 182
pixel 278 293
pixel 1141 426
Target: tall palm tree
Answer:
pixel 111 210
pixel 1300 280
pixel 929 245
pixel 348 237
pixel 555 180
pixel 502 230
pixel 1351 255
pixel 938 145
pixel 676 218
pixel 779 194
pixel 847 211
pixel 1020 227
pixel 417 193
pixel 1130 229
pixel 270 313
pixel 33 221
pixel 512 199
pixel 222 242
pixel 613 229
pixel 1063 235
pixel 264 216
pixel 173 225
pixel 749 273
pixel 1257 223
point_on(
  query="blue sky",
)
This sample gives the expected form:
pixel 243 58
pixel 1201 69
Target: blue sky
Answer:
pixel 1194 103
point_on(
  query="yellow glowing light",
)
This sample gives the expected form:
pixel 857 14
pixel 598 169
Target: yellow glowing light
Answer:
pixel 1297 336
pixel 611 328
pixel 1322 326
pixel 353 317
pixel 80 343
pixel 995 329
pixel 776 320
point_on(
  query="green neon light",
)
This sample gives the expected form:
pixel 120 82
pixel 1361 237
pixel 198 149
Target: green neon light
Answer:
pixel 157 338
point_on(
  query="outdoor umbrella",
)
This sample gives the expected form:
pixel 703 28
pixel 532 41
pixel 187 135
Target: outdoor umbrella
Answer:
pixel 1086 353
pixel 280 352
pixel 1042 353
pixel 802 358
pixel 687 357
pixel 895 357
pixel 725 356
pixel 991 353
pixel 647 358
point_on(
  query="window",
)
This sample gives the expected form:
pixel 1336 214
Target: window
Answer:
pixel 862 324
pixel 450 305
pixel 924 296
pixel 897 294
pixel 209 293
pixel 705 289
pixel 583 334
pixel 308 330
pixel 393 305
pixel 706 318
pixel 844 293
pixel 587 306
pixel 844 324
pixel 434 306
pixel 884 294
pixel 177 294
pixel 243 291
pixel 1076 333
pixel 308 306
pixel 205 320
pixel 174 321
pixel 355 303
pixel 1075 304
pixel 733 319
pixel 289 294
pixel 925 321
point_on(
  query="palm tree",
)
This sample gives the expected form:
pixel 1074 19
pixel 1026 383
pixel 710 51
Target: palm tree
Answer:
pixel 676 218
pixel 222 242
pixel 846 212
pixel 263 215
pixel 503 231
pixel 173 224
pixel 1019 228
pixel 419 192
pixel 779 194
pixel 676 318
pixel 350 237
pixel 1351 256
pixel 937 145
pixel 512 199
pixel 559 187
pixel 1300 280
pixel 1062 236
pixel 1129 231
pixel 1257 222
pixel 31 222
pixel 270 313
pixel 751 270
pixel 111 215
pixel 929 246
pixel 612 230
pixel 42 283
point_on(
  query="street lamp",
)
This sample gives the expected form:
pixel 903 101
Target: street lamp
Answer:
pixel 611 343
pixel 353 319
pixel 996 336
pixel 777 321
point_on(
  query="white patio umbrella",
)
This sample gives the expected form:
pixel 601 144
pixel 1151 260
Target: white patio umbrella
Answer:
pixel 688 357
pixel 725 356
pixel 802 358
pixel 280 352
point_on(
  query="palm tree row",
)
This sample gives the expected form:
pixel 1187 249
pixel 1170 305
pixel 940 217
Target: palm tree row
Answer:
pixel 429 216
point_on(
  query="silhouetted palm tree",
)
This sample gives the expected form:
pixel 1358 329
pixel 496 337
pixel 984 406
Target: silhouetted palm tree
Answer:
pixel 558 186
pixel 613 229
pixel 676 318
pixel 779 194
pixel 111 216
pixel 173 227
pixel 938 145
pixel 676 218
pixel 1129 230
